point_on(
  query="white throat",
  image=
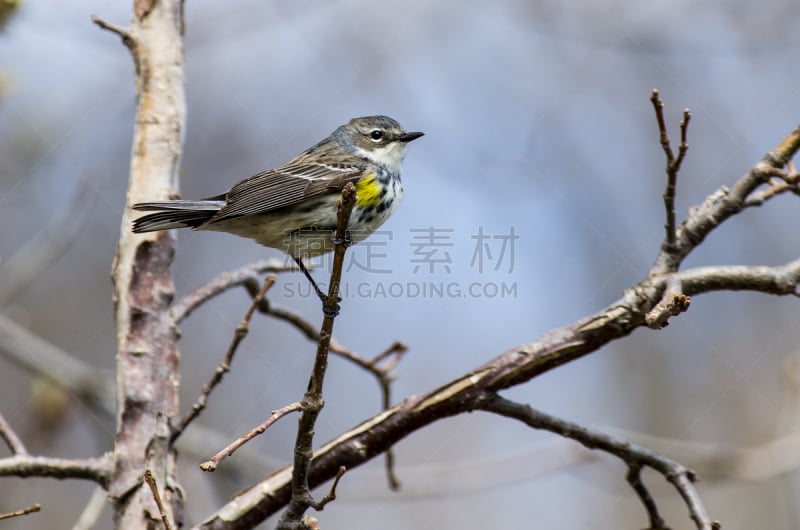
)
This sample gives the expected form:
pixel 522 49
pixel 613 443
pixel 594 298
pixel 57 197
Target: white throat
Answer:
pixel 389 156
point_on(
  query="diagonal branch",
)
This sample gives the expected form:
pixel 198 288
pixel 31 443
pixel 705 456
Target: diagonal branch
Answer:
pixel 227 280
pixel 25 511
pixel 213 462
pixel 123 33
pixel 11 439
pixel 634 456
pixel 151 482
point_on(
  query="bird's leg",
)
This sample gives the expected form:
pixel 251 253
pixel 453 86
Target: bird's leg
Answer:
pixel 322 296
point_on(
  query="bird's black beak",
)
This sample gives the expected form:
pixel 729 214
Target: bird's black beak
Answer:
pixel 408 137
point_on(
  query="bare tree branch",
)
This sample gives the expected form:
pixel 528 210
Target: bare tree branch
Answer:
pixel 24 465
pixel 123 33
pixel 25 511
pixel 634 456
pixel 150 480
pixel 225 281
pixel 724 203
pixel 11 439
pixel 213 462
pixel 788 180
pixel 634 478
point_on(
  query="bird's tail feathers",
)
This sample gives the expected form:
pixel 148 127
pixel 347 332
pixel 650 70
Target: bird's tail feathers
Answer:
pixel 174 214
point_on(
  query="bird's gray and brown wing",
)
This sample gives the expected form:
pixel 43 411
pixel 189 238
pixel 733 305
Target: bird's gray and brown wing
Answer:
pixel 293 183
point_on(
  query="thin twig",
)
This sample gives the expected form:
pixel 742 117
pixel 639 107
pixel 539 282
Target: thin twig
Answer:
pixel 331 496
pixel 213 462
pixel 224 367
pixel 673 302
pixel 672 167
pixel 684 145
pixel 395 352
pixel 724 203
pixel 123 33
pixel 634 478
pixel 223 282
pixel 658 106
pixel 789 179
pixel 162 511
pixel 633 455
pixel 306 328
pixel 13 441
pixel 25 511
pixel 397 349
pixel 301 498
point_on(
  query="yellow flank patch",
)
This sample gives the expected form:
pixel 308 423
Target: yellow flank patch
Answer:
pixel 369 191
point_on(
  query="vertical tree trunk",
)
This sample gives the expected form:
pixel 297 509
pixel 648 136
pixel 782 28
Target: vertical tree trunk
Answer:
pixel 147 354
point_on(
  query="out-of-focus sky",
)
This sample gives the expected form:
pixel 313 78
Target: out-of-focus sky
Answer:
pixel 539 136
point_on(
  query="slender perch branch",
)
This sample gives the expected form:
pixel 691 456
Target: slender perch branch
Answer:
pixel 301 498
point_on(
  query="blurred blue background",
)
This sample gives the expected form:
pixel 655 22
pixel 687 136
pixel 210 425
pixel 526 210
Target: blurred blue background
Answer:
pixel 537 123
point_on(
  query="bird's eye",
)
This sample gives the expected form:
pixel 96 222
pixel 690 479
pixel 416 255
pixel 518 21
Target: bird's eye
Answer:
pixel 376 135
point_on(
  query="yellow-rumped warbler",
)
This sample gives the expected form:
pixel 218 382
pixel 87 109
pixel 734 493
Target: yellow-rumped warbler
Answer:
pixel 293 207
